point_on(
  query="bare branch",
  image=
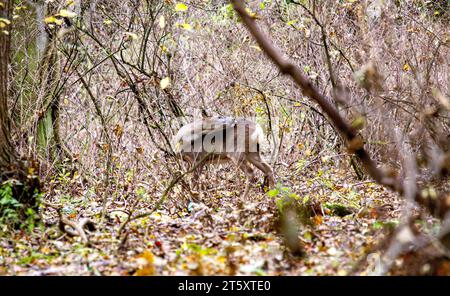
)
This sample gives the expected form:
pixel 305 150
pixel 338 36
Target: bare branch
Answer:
pixel 438 206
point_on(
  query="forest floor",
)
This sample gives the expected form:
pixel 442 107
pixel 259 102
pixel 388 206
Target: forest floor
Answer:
pixel 220 235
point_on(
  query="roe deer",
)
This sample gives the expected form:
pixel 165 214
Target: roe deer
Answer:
pixel 223 139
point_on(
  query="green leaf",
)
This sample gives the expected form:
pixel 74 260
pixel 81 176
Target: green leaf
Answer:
pixel 305 199
pixel 306 69
pixel 273 192
pixel 377 225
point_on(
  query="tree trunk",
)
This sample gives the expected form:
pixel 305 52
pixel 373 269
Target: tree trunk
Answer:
pixel 7 154
pixel 48 139
pixel 25 184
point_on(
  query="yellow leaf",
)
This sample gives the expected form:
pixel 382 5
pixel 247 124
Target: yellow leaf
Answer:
pixel 406 67
pixel 180 7
pixel 70 2
pixel 53 20
pixel 67 13
pixel 45 250
pixel 145 264
pixel 118 130
pixel 164 49
pixel 256 47
pixel 318 220
pixel 250 13
pixel 50 19
pixel 165 83
pixel 5 21
pixel 185 26
pixel 291 22
pixel 162 22
pixel 31 171
pixel 359 123
pixel 107 22
pixel 140 150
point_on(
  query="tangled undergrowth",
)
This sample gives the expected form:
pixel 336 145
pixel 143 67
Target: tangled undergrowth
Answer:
pixel 221 234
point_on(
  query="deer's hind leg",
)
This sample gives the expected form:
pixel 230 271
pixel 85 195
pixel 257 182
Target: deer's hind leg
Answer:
pixel 244 166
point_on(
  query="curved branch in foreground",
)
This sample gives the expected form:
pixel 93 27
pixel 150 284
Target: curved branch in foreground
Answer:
pixel 75 229
pixel 437 205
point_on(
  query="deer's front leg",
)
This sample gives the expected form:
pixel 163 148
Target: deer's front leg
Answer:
pixel 256 160
pixel 195 181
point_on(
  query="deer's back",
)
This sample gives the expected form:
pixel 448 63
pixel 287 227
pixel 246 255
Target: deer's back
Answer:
pixel 218 137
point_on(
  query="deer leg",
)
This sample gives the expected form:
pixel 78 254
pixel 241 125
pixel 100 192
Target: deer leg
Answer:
pixel 257 161
pixel 194 182
pixel 250 178
pixel 249 172
pixel 196 175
